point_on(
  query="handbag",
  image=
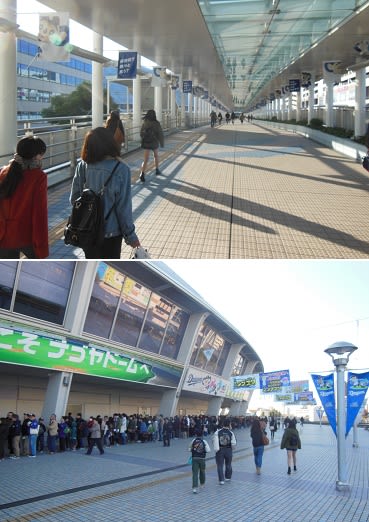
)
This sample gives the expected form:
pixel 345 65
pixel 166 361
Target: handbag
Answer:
pixel 365 162
pixel 140 253
pixel 265 440
pixel 189 460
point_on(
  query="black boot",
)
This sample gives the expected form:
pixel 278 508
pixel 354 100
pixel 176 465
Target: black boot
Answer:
pixel 289 471
pixel 142 177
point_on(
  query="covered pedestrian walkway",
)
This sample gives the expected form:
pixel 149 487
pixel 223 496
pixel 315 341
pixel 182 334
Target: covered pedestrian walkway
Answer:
pixel 242 191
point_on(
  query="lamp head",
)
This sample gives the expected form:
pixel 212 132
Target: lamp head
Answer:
pixel 340 352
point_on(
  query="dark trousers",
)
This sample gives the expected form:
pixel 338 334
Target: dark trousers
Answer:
pixel 224 457
pixel 198 471
pixel 110 249
pixel 91 444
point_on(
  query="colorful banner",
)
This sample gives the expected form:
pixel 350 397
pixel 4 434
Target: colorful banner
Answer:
pixel 285 397
pixel 38 350
pixel 187 86
pixel 273 382
pixel 53 37
pixel 159 77
pixel 357 386
pixel 203 382
pixel 324 385
pixel 333 70
pixel 305 79
pixel 245 382
pixel 127 65
pixel 304 397
pixel 174 82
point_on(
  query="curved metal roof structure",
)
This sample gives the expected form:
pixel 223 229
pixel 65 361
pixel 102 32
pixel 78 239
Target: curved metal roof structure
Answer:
pixel 238 50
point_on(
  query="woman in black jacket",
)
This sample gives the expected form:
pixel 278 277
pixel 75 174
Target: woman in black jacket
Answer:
pixel 257 432
pixel 151 136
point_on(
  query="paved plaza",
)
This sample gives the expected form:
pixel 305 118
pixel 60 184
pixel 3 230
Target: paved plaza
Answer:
pixel 241 192
pixel 140 482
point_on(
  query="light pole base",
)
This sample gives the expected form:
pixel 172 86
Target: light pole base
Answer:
pixel 355 444
pixel 342 486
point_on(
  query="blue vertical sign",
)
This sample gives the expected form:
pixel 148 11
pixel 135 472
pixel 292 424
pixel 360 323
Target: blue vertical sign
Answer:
pixel 187 86
pixel 127 65
pixel 294 85
pixel 324 385
pixel 357 386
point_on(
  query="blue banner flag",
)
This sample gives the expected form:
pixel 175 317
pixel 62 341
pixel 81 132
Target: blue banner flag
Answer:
pixel 324 385
pixel 357 386
pixel 187 86
pixel 127 65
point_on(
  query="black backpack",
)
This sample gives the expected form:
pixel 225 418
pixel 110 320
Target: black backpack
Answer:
pixel 198 448
pixel 86 224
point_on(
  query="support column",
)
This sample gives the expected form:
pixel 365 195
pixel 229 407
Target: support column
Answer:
pixel 97 84
pixel 360 95
pixel 158 103
pixel 298 106
pixel 8 81
pixel 183 109
pixel 282 107
pixel 289 113
pixel 214 406
pixel 136 104
pixel 190 108
pixel 173 109
pixel 329 104
pixel 311 99
pixel 57 394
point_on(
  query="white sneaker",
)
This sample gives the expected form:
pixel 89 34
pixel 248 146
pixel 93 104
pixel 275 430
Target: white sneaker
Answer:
pixel 194 490
pixel 221 482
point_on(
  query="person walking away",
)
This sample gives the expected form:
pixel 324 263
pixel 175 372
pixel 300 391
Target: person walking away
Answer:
pixel 151 136
pixel 224 441
pixel 115 126
pixel 23 203
pixel 272 427
pixel 213 118
pixel 95 436
pixel 33 433
pixel 220 117
pixel 227 117
pixel 257 432
pixel 291 442
pixel 199 448
pixel 100 156
pixel 242 117
pixel 233 117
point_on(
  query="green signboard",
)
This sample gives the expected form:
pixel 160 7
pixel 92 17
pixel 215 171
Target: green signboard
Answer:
pixel 32 349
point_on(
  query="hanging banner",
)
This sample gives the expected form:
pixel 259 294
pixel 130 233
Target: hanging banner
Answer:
pixel 159 77
pixel 127 65
pixel 202 382
pixel 187 86
pixel 245 382
pixel 324 385
pixel 53 37
pixel 304 397
pixel 285 397
pixel 357 386
pixel 294 85
pixel 273 382
pixel 333 70
pixel 174 82
pixel 198 91
pixel 305 79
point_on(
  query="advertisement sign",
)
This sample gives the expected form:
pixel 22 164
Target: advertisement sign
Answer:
pixel 127 64
pixel 53 37
pixel 245 382
pixel 283 397
pixel 333 70
pixel 357 386
pixel 324 385
pixel 203 382
pixel 187 86
pixel 39 350
pixel 273 382
pixel 294 85
pixel 304 397
pixel 159 77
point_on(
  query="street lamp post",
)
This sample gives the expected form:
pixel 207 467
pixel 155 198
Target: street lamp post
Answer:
pixel 340 353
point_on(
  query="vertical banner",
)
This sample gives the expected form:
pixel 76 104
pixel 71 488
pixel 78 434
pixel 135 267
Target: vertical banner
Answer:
pixel 333 70
pixel 357 386
pixel 127 65
pixel 324 385
pixel 159 77
pixel 53 35
pixel 174 82
pixel 305 79
pixel 187 86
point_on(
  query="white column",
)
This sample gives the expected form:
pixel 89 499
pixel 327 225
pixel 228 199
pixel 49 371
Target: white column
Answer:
pixel 329 104
pixel 190 108
pixel 136 103
pixel 8 81
pixel 97 84
pixel 57 394
pixel 311 99
pixel 298 106
pixel 282 106
pixel 360 95
pixel 289 113
pixel 173 108
pixel 158 103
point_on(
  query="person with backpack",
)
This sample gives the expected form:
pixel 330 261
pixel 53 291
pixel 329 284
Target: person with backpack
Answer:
pixel 291 442
pixel 224 441
pixel 115 125
pixel 151 136
pixel 198 448
pixel 23 203
pixel 258 435
pixel 102 171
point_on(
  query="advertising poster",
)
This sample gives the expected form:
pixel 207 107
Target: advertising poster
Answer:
pixel 357 386
pixel 273 382
pixel 324 385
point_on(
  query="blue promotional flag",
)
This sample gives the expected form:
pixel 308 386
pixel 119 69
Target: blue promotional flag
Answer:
pixel 127 65
pixel 357 386
pixel 324 385
pixel 187 86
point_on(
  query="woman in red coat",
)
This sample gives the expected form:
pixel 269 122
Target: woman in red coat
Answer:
pixel 23 203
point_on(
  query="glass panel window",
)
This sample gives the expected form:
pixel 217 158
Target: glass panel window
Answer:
pixel 155 323
pixel 175 332
pixel 104 300
pixel 7 276
pixel 207 350
pixel 238 365
pixel 43 290
pixel 132 308
pixel 222 358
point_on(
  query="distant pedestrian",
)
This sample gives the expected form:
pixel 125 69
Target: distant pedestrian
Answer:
pixel 23 203
pixel 291 442
pixel 213 118
pixel 224 441
pixel 100 160
pixel 220 118
pixel 33 433
pixel 257 434
pixel 95 436
pixel 151 137
pixel 227 117
pixel 272 427
pixel 115 125
pixel 199 448
pixel 233 117
pixel 242 117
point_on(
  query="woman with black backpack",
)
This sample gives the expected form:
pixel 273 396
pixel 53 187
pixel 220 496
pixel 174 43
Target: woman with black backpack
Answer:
pixel 291 442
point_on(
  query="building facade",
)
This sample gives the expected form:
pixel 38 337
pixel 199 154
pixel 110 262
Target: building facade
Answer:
pixel 105 337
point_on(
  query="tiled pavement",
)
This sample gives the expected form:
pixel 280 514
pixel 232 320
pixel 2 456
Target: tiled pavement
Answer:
pixel 243 191
pixel 140 482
